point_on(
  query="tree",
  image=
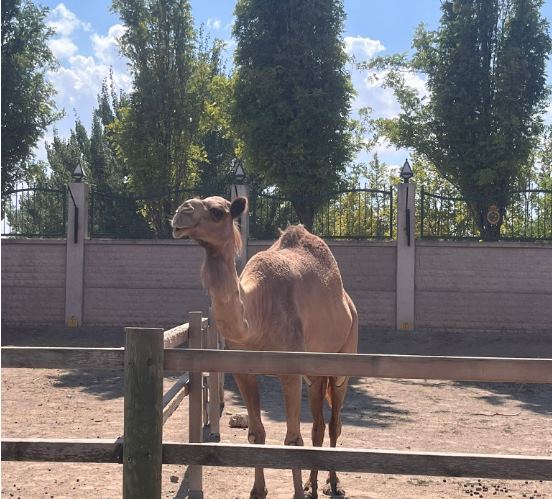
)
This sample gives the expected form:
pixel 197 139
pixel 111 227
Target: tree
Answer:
pixel 156 132
pixel 292 97
pixel 27 104
pixel 485 69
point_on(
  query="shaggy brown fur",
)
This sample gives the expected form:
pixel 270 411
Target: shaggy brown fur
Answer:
pixel 288 298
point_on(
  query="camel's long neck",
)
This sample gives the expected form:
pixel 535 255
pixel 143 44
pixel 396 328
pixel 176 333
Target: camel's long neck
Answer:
pixel 221 280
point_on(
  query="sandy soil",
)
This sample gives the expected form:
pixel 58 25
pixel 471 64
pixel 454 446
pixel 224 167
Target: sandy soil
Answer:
pixel 380 414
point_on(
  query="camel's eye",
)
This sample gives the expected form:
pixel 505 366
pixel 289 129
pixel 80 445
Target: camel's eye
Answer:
pixel 216 213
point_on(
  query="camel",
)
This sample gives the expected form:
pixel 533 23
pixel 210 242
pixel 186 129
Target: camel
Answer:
pixel 288 298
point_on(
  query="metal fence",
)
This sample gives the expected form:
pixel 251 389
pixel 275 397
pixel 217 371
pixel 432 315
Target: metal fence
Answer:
pixel 526 217
pixel 34 212
pixel 349 214
pixel 117 216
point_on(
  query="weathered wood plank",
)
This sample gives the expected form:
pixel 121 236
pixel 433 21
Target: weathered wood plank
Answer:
pixel 214 384
pixel 63 357
pixel 174 396
pixel 93 450
pixel 195 413
pixel 176 336
pixel 491 369
pixel 143 413
pixel 283 457
pixel 366 461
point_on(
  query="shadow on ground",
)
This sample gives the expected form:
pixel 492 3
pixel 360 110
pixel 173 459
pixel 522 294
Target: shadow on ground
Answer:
pixel 104 384
pixel 535 398
pixel 361 408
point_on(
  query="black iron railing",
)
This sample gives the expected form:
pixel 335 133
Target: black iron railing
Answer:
pixel 348 214
pixel 34 212
pixel 116 216
pixel 526 217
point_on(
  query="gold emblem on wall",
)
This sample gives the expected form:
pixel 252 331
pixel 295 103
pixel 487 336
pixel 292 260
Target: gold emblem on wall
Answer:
pixel 493 215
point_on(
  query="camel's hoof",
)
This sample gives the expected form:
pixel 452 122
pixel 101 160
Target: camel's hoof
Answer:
pixel 310 491
pixel 255 494
pixel 333 489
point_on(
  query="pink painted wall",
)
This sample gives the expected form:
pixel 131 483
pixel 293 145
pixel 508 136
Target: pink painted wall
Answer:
pixel 459 286
pixel 33 281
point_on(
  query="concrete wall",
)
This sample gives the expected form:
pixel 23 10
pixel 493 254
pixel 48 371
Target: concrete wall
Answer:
pixel 33 281
pixel 483 286
pixel 459 286
pixel 368 272
pixel 142 283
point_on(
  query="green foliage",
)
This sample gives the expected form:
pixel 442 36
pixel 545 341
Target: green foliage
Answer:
pixel 27 104
pixel 159 132
pixel 292 97
pixel 216 138
pixel 485 69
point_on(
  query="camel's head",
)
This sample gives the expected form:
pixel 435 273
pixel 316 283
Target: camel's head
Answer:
pixel 209 221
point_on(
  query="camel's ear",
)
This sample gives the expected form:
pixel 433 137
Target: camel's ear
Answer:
pixel 238 206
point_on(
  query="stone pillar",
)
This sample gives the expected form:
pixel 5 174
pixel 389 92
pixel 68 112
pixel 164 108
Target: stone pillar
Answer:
pixel 406 256
pixel 77 232
pixel 242 190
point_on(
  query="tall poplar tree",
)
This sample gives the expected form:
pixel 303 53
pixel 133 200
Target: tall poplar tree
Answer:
pixel 292 97
pixel 486 76
pixel 157 131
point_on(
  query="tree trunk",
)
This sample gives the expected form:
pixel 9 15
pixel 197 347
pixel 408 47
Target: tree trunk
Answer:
pixel 305 212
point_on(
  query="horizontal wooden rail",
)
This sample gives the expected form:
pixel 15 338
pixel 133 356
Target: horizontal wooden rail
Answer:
pixel 489 369
pixel 174 396
pixel 285 457
pixel 492 369
pixel 85 450
pixel 176 336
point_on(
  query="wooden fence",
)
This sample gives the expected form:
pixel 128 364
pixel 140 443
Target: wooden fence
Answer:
pixel 143 452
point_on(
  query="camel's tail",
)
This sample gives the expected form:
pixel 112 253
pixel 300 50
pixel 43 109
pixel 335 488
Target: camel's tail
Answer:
pixel 329 391
pixel 331 383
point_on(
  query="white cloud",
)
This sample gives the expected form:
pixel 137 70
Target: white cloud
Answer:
pixel 106 48
pixel 64 22
pixel 214 23
pixel 370 92
pixel 83 77
pixel 362 47
pixel 62 47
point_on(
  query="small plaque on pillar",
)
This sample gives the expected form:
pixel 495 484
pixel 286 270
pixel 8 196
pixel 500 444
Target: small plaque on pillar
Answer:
pixel 406 326
pixel 493 215
pixel 72 322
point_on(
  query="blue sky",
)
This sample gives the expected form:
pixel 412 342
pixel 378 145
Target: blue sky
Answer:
pixel 86 46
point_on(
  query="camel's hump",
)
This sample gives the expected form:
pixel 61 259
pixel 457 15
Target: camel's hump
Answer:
pixel 295 235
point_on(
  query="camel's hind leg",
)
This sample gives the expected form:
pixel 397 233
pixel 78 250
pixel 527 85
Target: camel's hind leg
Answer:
pixel 317 391
pixel 336 396
pixel 249 390
pixel 291 387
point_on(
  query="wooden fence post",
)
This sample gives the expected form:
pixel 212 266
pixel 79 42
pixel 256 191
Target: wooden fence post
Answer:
pixel 195 412
pixel 143 413
pixel 214 385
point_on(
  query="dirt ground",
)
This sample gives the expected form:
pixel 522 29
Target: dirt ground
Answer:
pixel 416 415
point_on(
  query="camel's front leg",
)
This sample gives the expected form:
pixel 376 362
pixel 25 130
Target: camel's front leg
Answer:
pixel 291 387
pixel 249 390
